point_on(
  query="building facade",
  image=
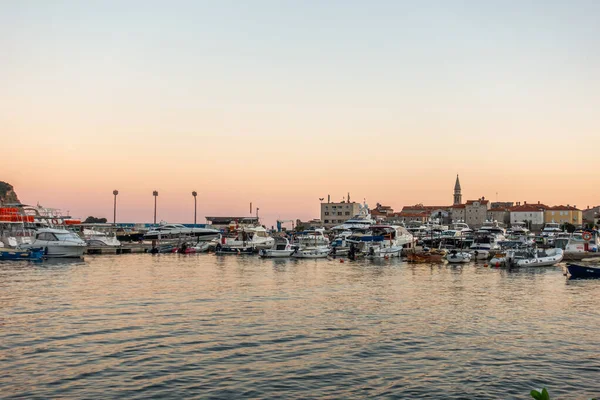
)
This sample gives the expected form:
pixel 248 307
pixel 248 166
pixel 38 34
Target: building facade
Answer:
pixel 591 214
pixel 533 214
pixel 333 214
pixel 500 215
pixel 564 214
pixel 476 212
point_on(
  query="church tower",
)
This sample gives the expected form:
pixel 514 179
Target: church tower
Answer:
pixel 457 194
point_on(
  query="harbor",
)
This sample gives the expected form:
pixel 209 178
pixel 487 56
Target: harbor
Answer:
pixel 497 234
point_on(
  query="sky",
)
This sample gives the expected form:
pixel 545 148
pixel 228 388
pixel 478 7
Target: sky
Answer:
pixel 280 103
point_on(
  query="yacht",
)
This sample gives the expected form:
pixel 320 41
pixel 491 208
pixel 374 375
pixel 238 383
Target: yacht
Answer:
pixel 173 231
pixel 312 244
pixel 95 238
pixel 58 243
pixel 282 249
pixel 255 237
pixel 381 241
pixel 551 229
pixel 519 228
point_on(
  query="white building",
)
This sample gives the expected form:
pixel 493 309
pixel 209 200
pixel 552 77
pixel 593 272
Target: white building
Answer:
pixel 530 213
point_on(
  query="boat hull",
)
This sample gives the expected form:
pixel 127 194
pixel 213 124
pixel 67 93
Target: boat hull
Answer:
pixel 17 255
pixel 64 251
pixel 311 253
pixel 583 272
pixel 265 253
pixel 458 258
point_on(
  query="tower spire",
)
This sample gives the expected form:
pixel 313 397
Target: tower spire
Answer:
pixel 457 192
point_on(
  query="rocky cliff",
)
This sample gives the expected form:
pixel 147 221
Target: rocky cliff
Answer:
pixel 7 194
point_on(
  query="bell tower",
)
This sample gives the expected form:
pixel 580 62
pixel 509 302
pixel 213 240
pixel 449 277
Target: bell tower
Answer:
pixel 457 192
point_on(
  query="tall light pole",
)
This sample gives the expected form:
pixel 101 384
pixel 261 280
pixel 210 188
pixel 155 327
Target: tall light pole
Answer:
pixel 257 213
pixel 115 192
pixel 195 208
pixel 155 194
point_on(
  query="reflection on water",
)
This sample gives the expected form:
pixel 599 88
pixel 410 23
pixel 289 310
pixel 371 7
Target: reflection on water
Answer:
pixel 242 327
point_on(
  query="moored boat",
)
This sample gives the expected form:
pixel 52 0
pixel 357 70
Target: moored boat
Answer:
pixel 425 256
pixel 458 257
pixel 16 255
pixel 577 271
pixel 282 249
pixel 534 258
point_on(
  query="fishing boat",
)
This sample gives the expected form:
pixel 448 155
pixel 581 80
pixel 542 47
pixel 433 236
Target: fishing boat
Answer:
pixel 16 255
pixel 577 271
pixel 458 257
pixel 282 249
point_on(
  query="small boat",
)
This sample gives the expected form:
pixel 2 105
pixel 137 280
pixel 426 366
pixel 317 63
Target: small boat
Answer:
pixel 282 249
pixel 458 257
pixel 425 256
pixel 314 252
pixel 15 255
pixel 500 258
pixel 224 250
pixel 535 258
pixel 576 271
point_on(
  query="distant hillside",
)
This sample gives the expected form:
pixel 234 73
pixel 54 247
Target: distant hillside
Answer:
pixel 7 194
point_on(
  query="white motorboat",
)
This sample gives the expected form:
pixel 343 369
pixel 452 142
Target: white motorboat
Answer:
pixel 458 257
pixel 254 237
pixel 95 238
pixel 282 249
pixel 551 231
pixel 314 252
pixel 58 243
pixel 173 231
pixel 533 257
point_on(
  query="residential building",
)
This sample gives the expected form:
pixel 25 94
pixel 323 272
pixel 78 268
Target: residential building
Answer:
pixel 502 204
pixel 403 217
pixel 590 215
pixel 533 214
pixel 333 214
pixel 564 214
pixel 381 212
pixel 501 215
pixel 457 213
pixel 476 212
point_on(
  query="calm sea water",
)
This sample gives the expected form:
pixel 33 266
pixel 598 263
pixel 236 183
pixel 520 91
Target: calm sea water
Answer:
pixel 230 327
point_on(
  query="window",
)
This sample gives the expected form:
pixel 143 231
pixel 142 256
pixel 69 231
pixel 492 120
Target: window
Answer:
pixel 347 212
pixel 339 213
pixel 552 212
pixel 326 221
pixel 333 207
pixel 347 206
pixel 326 212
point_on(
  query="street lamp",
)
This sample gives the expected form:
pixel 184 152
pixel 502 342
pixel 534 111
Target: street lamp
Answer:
pixel 155 194
pixel 115 192
pixel 195 208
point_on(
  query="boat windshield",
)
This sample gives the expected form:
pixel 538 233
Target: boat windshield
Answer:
pixel 67 236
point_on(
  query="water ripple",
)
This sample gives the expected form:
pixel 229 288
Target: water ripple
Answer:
pixel 202 326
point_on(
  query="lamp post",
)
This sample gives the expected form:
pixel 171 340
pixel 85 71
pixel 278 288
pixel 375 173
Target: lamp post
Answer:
pixel 194 193
pixel 115 193
pixel 257 214
pixel 155 194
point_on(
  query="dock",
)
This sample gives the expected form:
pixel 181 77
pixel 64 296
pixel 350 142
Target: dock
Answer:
pixel 125 248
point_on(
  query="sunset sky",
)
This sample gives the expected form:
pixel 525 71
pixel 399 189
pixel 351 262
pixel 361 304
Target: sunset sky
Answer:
pixel 283 102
